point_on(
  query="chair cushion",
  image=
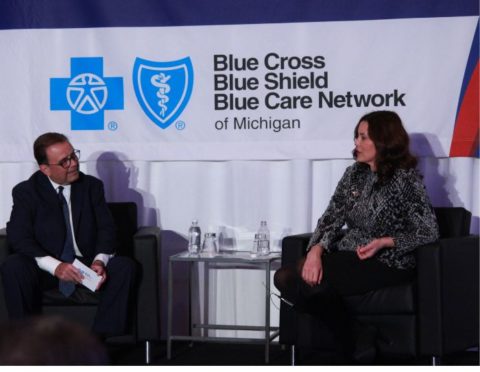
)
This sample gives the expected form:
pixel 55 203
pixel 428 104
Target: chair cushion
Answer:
pixel 391 300
pixel 81 296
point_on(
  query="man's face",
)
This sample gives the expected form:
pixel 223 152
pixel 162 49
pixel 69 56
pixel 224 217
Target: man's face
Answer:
pixel 59 168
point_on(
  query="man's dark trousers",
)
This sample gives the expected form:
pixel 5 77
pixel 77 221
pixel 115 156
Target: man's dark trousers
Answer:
pixel 24 282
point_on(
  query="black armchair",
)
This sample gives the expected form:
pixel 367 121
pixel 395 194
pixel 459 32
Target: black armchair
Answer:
pixel 435 315
pixel 141 244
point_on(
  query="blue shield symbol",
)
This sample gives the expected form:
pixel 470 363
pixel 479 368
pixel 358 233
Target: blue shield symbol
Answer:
pixel 163 88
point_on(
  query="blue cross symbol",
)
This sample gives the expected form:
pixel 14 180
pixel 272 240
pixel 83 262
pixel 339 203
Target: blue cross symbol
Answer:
pixel 86 94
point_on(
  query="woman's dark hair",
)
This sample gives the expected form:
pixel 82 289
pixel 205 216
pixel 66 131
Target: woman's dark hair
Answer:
pixel 43 142
pixel 391 141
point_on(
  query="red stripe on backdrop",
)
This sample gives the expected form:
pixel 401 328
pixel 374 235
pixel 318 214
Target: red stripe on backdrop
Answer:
pixel 465 134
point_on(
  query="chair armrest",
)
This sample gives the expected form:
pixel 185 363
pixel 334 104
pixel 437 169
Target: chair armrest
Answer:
pixel 146 251
pixel 3 255
pixel 448 295
pixel 3 245
pixel 294 248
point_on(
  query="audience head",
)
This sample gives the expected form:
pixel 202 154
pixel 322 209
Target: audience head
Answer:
pixel 49 340
pixel 391 143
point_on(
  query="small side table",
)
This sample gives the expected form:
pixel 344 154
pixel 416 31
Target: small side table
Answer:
pixel 226 259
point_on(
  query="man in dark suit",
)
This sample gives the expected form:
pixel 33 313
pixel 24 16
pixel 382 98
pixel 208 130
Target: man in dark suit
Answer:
pixel 60 214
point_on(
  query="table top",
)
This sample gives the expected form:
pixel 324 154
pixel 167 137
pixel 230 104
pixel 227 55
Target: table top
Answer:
pixel 226 256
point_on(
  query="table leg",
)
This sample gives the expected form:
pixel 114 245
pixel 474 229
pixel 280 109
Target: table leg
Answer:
pixel 267 312
pixel 169 309
pixel 206 298
pixel 190 296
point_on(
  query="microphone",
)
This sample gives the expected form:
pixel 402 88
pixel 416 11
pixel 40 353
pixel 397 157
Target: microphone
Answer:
pixel 284 300
pixel 291 304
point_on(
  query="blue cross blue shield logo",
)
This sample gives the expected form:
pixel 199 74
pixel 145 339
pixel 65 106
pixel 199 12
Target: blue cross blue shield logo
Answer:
pixel 86 93
pixel 163 89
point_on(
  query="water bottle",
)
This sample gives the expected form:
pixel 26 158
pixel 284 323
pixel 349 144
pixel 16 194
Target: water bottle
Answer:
pixel 264 243
pixel 194 238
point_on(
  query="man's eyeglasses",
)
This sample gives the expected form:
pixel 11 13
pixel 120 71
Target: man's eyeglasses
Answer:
pixel 65 162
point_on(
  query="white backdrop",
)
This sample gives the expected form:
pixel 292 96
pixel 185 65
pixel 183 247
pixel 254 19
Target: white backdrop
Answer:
pixel 232 197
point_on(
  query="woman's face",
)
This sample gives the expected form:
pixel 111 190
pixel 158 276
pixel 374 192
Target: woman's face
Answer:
pixel 366 151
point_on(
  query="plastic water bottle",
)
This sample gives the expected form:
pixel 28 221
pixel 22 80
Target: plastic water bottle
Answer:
pixel 194 238
pixel 264 235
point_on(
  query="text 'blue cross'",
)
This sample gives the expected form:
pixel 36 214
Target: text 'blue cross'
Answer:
pixel 87 93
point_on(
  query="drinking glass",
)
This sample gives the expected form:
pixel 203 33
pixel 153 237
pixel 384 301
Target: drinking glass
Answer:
pixel 210 246
pixel 257 245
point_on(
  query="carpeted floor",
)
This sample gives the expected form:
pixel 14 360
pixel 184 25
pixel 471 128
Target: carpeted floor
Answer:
pixel 202 354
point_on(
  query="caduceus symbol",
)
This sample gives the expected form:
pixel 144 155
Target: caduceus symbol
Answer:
pixel 160 81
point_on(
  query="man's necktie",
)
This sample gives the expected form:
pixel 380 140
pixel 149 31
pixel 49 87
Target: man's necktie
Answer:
pixel 68 254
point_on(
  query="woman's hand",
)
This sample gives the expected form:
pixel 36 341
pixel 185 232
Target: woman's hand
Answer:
pixel 312 270
pixel 371 249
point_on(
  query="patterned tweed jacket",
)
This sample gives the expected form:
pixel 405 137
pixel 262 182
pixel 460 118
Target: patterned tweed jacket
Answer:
pixel 399 209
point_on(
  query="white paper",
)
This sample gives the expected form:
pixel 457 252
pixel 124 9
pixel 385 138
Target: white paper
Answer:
pixel 90 277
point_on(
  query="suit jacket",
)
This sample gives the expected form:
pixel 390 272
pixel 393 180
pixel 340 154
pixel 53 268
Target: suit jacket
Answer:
pixel 37 227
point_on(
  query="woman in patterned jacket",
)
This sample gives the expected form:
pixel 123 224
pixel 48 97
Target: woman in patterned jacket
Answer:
pixel 366 238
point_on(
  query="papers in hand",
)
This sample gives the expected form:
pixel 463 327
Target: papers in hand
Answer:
pixel 90 277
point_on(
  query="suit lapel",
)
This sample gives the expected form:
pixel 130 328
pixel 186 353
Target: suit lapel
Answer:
pixel 52 207
pixel 47 190
pixel 76 201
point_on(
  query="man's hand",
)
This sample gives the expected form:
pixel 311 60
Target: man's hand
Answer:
pixel 99 267
pixel 371 249
pixel 67 272
pixel 312 271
